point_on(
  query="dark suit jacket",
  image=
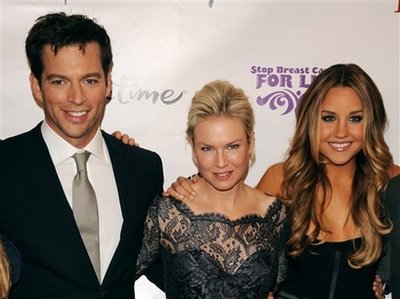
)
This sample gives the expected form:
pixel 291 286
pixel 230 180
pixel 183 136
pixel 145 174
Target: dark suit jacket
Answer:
pixel 390 266
pixel 35 214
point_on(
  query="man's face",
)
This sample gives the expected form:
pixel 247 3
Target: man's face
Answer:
pixel 73 91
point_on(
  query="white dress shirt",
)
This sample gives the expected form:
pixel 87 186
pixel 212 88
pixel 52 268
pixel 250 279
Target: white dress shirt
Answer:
pixel 101 176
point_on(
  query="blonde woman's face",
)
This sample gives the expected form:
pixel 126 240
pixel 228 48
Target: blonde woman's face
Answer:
pixel 221 151
pixel 341 129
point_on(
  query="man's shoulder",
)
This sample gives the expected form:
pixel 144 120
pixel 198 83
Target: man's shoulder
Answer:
pixel 21 140
pixel 116 146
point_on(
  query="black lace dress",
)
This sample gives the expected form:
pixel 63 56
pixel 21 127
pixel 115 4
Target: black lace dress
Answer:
pixel 210 256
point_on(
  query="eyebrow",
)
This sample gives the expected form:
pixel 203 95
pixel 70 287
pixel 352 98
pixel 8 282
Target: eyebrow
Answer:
pixel 230 142
pixel 94 74
pixel 351 112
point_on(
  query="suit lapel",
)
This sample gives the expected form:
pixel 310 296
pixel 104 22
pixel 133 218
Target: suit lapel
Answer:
pixel 122 177
pixel 52 201
pixel 129 184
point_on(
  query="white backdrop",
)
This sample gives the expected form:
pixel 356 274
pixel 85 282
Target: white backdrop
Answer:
pixel 166 50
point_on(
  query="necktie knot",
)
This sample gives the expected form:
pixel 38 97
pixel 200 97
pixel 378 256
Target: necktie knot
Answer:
pixel 81 159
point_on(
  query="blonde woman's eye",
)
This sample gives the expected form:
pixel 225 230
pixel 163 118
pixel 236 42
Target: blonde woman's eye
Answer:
pixel 206 148
pixel 328 118
pixel 233 146
pixel 356 118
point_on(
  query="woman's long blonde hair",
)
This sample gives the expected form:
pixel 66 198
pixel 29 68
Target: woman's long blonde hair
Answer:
pixel 305 179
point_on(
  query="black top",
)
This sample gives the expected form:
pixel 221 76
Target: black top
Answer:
pixel 391 261
pixel 322 272
pixel 210 256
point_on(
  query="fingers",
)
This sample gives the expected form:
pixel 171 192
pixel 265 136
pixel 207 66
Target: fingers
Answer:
pixel 185 186
pixel 195 177
pixel 270 295
pixel 117 134
pixel 181 189
pixel 129 140
pixel 378 288
pixel 125 138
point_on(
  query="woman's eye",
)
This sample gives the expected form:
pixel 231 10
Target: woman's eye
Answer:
pixel 356 118
pixel 233 146
pixel 328 118
pixel 205 148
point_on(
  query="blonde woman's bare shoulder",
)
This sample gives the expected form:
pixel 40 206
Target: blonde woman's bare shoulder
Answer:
pixel 271 180
pixel 394 171
pixel 262 200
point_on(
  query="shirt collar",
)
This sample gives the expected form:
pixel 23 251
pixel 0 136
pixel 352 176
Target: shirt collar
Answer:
pixel 60 150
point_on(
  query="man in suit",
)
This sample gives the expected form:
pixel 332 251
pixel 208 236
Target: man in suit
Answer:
pixel 71 60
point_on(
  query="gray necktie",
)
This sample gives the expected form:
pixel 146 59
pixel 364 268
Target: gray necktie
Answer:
pixel 85 210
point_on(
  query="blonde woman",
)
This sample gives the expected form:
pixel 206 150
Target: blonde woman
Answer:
pixel 229 242
pixel 336 168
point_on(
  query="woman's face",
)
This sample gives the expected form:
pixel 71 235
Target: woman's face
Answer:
pixel 341 129
pixel 221 151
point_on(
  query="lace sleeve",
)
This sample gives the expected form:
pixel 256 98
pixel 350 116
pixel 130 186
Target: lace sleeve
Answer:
pixel 151 240
pixel 283 231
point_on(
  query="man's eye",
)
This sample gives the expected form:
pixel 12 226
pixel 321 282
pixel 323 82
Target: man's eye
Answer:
pixel 91 81
pixel 57 82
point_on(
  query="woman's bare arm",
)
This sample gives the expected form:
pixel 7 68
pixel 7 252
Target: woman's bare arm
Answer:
pixel 270 183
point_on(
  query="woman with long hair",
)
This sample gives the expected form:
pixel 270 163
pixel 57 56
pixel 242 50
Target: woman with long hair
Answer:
pixel 331 181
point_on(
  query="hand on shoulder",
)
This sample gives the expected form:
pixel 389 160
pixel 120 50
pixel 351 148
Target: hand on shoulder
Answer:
pixel 125 138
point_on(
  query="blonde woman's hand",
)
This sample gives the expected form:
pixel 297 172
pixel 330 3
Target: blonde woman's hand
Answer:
pixel 125 138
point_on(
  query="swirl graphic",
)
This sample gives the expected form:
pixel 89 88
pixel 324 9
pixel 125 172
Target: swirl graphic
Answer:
pixel 279 99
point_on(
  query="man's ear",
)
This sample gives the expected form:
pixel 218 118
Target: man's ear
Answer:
pixel 109 87
pixel 36 90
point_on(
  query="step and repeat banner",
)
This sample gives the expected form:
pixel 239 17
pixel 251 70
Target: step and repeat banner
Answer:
pixel 166 50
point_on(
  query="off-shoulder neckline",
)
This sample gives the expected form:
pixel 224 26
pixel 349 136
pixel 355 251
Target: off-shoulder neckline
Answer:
pixel 183 206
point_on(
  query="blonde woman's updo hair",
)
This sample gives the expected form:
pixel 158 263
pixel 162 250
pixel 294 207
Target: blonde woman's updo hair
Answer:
pixel 221 98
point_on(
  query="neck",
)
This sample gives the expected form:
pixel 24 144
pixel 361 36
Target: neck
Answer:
pixel 340 172
pixel 223 201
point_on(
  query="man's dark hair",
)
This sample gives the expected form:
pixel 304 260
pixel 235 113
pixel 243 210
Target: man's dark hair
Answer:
pixel 59 30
